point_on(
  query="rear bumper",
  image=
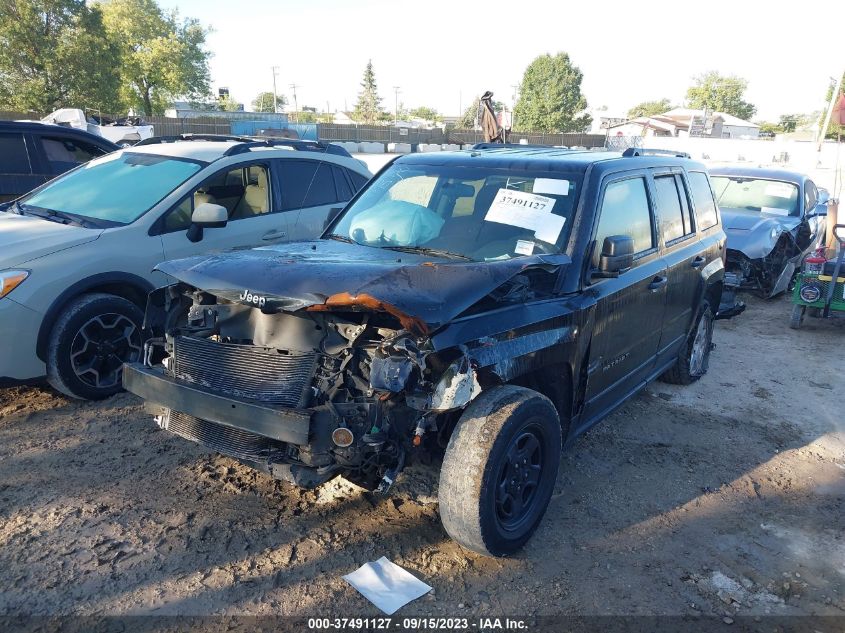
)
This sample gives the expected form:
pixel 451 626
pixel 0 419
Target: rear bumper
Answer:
pixel 277 423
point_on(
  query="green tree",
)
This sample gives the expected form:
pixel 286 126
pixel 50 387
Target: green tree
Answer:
pixel 789 122
pixel 767 127
pixel 306 116
pixel 471 114
pixel 550 98
pixel 228 104
pixel 163 57
pixel 650 108
pixel 720 93
pixel 55 53
pixel 264 102
pixel 425 113
pixel 368 108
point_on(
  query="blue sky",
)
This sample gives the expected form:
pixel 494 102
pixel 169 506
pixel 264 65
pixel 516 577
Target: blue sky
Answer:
pixel 442 54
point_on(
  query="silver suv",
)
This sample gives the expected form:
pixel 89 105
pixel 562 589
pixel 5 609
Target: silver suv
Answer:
pixel 77 254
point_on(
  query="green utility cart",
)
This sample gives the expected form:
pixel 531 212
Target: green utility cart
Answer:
pixel 820 286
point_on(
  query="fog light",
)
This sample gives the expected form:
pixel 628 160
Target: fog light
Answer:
pixel 810 293
pixel 342 437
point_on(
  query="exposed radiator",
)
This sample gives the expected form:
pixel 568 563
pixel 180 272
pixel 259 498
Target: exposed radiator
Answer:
pixel 222 439
pixel 245 371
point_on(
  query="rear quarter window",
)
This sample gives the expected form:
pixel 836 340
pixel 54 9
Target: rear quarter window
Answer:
pixel 702 197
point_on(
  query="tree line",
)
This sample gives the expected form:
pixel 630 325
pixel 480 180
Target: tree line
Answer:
pixel 117 55
pixel 551 100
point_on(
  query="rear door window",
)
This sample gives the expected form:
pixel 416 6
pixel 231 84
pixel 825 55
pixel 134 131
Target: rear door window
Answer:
pixel 670 213
pixel 625 210
pixel 306 183
pixel 14 158
pixel 702 195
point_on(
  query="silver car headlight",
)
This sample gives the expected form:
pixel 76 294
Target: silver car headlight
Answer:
pixel 11 279
pixel 775 233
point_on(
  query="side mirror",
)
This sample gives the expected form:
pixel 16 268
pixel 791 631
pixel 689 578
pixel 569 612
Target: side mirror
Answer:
pixel 206 215
pixel 617 255
pixel 210 215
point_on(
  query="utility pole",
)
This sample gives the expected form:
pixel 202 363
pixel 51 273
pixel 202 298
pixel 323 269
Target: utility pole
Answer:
pixel 833 99
pixel 395 104
pixel 293 87
pixel 275 70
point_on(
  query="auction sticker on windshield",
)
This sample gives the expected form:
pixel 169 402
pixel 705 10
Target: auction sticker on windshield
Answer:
pixel 527 211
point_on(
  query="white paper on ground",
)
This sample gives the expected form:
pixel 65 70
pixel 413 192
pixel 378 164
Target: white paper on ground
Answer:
pixel 386 584
pixel 554 186
pixel 527 211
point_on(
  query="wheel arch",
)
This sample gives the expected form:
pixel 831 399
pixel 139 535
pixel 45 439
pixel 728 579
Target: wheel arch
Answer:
pixel 560 392
pixel 121 284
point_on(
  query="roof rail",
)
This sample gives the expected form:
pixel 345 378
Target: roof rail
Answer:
pixel 644 151
pixel 155 140
pixel 513 146
pixel 296 144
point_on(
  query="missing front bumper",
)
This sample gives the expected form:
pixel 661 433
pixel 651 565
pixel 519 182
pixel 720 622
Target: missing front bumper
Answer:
pixel 278 423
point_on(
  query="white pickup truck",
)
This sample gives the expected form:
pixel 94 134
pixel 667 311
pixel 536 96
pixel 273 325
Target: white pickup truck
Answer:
pixel 121 133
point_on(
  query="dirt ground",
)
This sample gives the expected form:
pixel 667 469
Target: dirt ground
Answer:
pixel 724 498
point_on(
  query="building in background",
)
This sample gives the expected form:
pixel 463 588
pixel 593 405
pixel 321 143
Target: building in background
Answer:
pixel 682 122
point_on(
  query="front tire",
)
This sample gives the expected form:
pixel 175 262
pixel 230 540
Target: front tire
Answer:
pixel 499 470
pixel 694 357
pixel 92 338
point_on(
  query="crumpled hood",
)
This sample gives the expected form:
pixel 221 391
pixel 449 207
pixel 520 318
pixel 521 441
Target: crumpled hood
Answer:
pixel 750 232
pixel 424 292
pixel 744 220
pixel 24 238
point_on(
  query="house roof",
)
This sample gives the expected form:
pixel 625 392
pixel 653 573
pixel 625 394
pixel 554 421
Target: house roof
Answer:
pixel 685 114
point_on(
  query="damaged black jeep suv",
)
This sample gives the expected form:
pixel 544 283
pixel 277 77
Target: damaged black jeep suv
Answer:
pixel 483 306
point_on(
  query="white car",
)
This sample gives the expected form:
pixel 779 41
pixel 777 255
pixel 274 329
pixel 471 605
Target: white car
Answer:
pixel 76 254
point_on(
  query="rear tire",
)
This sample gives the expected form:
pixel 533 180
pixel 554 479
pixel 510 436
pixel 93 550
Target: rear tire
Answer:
pixel 499 470
pixel 694 357
pixel 92 338
pixel 797 317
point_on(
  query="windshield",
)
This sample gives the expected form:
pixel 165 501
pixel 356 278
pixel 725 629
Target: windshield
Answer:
pixel 470 212
pixel 118 188
pixel 774 197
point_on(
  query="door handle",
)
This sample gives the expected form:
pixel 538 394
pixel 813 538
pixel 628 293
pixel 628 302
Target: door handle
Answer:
pixel 698 262
pixel 658 282
pixel 275 234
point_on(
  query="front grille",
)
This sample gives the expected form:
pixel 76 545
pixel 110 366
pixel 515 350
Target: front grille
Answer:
pixel 235 443
pixel 245 371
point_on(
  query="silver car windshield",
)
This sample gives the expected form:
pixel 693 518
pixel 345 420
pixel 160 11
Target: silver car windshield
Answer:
pixel 475 213
pixel 773 197
pixel 117 188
